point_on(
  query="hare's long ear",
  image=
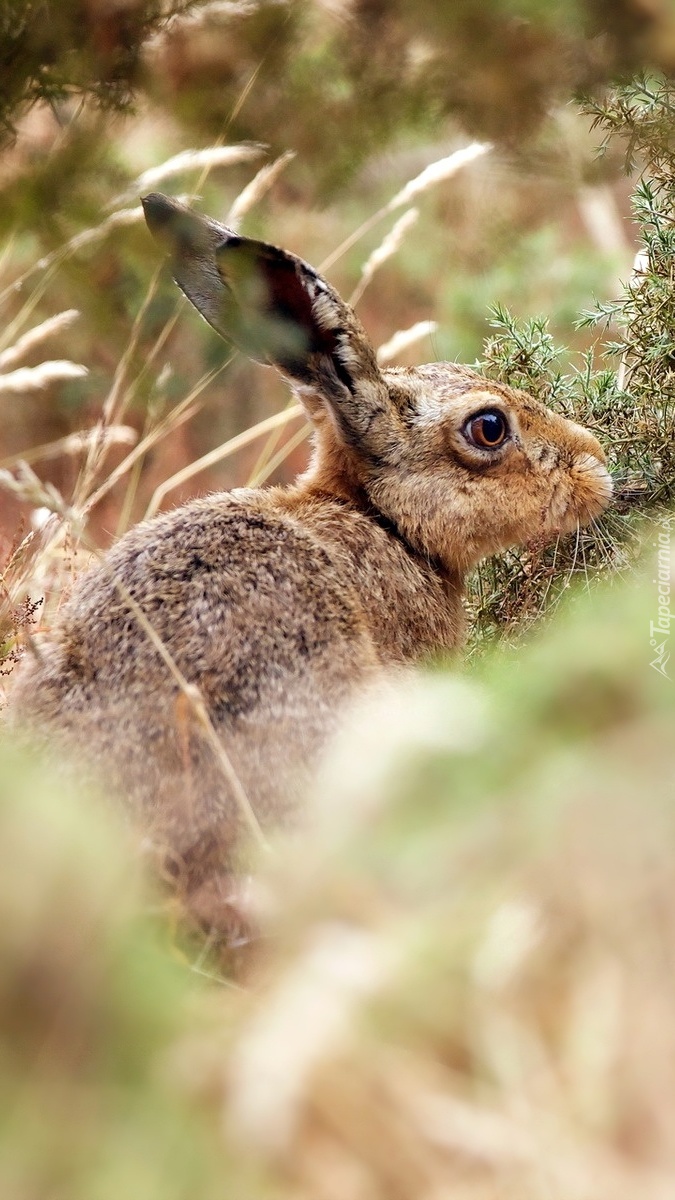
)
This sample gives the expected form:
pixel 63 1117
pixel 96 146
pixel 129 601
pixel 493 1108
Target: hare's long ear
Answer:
pixel 278 310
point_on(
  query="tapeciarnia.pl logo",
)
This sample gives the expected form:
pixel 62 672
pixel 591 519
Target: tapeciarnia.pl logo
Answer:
pixel 659 630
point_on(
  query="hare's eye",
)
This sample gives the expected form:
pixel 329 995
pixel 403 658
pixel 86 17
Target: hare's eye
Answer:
pixel 488 429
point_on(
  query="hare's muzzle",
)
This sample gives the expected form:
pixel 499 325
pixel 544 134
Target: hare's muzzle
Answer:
pixel 593 488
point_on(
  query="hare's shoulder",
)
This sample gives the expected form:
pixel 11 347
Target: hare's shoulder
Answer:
pixel 246 602
pixel 224 576
pixel 239 540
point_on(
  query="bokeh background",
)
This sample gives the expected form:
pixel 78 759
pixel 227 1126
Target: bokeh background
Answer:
pixel 95 93
pixel 464 988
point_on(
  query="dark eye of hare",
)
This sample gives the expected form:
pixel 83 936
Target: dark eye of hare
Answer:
pixel 488 429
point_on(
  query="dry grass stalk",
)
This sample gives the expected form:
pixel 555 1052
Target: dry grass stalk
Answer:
pixel 219 453
pixel 114 406
pixel 257 188
pixel 403 339
pixel 29 487
pixel 386 249
pixel 269 464
pixel 178 416
pixel 33 337
pixel 195 160
pixel 30 379
pixel 88 237
pixel 73 443
pixel 435 173
pixel 49 262
pixel 267 452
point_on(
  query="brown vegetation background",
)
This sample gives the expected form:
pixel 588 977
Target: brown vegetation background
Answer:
pixel 466 991
pixel 364 96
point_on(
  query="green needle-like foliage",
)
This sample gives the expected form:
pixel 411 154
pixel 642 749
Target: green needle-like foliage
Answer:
pixel 623 388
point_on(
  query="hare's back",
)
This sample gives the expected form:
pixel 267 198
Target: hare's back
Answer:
pixel 240 596
pixel 252 609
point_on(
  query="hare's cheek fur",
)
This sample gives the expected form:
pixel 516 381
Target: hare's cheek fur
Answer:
pixel 458 505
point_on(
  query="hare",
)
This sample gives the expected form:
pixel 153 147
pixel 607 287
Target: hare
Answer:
pixel 274 606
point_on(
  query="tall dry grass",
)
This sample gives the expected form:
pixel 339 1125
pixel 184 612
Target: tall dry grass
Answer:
pixel 41 561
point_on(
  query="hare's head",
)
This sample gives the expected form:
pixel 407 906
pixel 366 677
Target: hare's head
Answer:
pixel 461 466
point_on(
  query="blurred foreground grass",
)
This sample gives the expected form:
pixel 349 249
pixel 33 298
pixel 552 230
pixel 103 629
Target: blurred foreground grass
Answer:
pixel 470 988
pixel 91 1005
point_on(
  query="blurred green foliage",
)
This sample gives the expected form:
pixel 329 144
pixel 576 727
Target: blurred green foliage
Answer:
pixel 482 900
pixel 91 1006
pixel 643 318
pixel 54 49
pixel 623 388
pixel 371 69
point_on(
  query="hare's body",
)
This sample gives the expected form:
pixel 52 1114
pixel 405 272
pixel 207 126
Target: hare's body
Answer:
pixel 274 606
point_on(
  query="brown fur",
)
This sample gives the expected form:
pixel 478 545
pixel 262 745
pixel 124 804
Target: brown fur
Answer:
pixel 279 603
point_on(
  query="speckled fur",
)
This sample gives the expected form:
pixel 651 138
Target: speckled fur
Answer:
pixel 279 603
